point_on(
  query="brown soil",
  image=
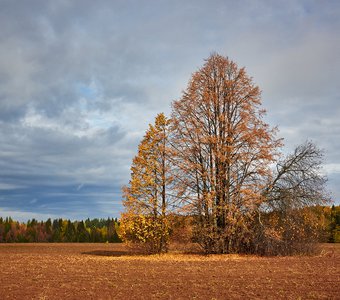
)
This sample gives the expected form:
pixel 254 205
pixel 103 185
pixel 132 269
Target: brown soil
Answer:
pixel 106 271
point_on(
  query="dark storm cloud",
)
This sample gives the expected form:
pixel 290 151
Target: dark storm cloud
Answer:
pixel 80 81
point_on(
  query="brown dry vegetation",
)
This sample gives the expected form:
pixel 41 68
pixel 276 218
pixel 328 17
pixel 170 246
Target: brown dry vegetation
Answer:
pixel 107 271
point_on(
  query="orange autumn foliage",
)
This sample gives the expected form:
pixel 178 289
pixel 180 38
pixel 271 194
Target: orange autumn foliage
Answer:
pixel 223 149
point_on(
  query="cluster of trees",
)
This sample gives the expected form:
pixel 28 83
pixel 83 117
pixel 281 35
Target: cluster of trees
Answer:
pixel 59 230
pixel 216 161
pixel 326 219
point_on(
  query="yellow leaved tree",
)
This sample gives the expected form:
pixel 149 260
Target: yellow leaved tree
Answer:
pixel 144 222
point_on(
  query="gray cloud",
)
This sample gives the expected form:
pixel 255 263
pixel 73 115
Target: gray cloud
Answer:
pixel 80 81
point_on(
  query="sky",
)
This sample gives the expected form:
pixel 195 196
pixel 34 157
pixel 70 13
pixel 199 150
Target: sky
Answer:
pixel 81 80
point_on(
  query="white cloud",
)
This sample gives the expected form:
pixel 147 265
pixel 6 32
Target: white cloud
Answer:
pixel 10 186
pixel 333 168
pixel 25 216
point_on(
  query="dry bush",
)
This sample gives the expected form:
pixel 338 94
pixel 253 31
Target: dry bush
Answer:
pixel 290 233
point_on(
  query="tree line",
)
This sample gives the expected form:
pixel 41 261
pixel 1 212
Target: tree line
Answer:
pixel 59 230
pixel 108 230
pixel 216 161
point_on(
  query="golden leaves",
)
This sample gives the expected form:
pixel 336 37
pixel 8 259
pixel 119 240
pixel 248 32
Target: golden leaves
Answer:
pixel 144 220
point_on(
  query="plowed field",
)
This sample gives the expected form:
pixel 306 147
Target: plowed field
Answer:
pixel 106 271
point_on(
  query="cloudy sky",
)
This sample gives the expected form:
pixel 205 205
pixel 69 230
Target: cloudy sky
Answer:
pixel 81 80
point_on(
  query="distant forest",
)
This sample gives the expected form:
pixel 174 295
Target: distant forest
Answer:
pixel 59 231
pixel 107 230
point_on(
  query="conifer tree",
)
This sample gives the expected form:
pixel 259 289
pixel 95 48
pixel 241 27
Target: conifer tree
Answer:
pixel 223 151
pixel 144 221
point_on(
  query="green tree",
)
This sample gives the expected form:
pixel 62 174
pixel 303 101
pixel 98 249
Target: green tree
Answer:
pixel 112 235
pixel 334 226
pixel 82 234
pixel 70 232
pixel 57 230
pixel 48 230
